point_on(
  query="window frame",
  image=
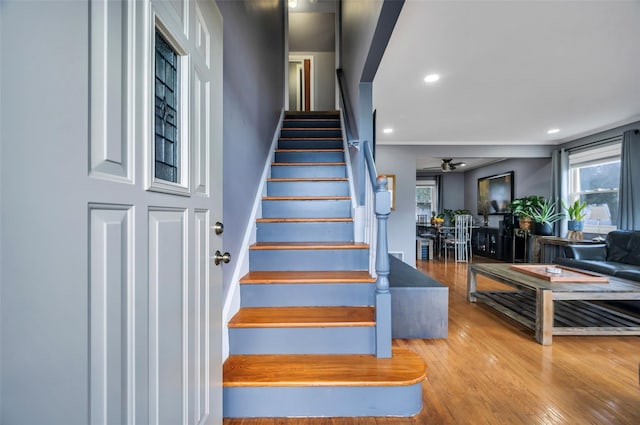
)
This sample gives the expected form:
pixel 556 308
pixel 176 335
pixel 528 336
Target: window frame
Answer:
pixel 600 155
pixel 183 185
pixel 434 196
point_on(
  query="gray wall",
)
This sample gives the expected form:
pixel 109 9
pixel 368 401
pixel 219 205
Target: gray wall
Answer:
pixel 402 222
pixel 532 176
pixel 453 185
pixel 359 19
pixel 603 135
pixel 254 59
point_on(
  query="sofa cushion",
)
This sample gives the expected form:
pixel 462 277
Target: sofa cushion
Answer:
pixel 618 245
pixel 628 273
pixel 604 267
pixel 633 257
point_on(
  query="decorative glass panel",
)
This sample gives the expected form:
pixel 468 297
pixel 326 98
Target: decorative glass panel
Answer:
pixel 166 111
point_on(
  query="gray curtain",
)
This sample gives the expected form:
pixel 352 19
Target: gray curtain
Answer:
pixel 559 186
pixel 629 196
pixel 440 190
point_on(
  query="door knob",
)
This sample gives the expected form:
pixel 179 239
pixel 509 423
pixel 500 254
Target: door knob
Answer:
pixel 218 228
pixel 221 258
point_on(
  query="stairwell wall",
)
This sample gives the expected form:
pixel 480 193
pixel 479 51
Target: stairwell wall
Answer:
pixel 254 70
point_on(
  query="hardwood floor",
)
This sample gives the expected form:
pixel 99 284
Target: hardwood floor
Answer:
pixel 491 371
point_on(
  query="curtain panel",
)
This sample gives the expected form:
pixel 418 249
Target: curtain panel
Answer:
pixel 559 186
pixel 629 190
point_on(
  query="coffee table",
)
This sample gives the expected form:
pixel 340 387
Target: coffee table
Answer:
pixel 556 308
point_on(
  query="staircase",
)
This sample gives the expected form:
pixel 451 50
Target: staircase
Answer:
pixel 303 342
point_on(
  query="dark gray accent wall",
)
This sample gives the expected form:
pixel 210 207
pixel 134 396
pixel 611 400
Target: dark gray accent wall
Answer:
pixel 314 32
pixel 453 185
pixel 603 135
pixel 366 27
pixel 358 23
pixel 532 176
pixel 254 59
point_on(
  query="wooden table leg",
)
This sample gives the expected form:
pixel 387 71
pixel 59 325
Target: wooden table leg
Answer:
pixel 544 316
pixel 471 284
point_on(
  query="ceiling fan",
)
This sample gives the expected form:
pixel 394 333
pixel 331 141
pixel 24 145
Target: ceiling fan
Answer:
pixel 447 165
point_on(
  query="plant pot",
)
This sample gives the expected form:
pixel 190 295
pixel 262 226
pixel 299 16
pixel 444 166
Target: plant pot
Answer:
pixel 575 225
pixel 525 223
pixel 543 229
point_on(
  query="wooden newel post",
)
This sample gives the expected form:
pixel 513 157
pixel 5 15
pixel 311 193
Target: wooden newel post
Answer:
pixel 383 296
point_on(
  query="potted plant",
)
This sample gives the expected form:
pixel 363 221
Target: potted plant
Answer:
pixel 544 216
pixel 577 213
pixel 524 208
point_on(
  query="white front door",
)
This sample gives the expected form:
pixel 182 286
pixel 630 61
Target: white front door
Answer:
pixel 111 190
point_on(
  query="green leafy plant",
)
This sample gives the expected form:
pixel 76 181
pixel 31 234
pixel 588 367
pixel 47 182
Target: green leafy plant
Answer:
pixel 576 210
pixel 526 206
pixel 546 212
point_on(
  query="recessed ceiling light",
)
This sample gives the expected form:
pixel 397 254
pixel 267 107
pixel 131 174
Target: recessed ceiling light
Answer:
pixel 293 3
pixel 388 130
pixel 553 131
pixel 431 78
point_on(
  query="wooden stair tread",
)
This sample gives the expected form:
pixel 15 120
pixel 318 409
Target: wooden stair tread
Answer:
pixel 308 245
pixel 302 317
pixel 306 198
pixel 305 220
pixel 265 370
pixel 266 277
pixel 307 179
pixel 292 164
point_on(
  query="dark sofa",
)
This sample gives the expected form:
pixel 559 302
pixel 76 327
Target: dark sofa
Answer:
pixel 619 256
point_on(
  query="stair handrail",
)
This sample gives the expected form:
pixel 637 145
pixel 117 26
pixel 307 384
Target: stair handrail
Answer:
pixel 350 131
pixel 378 209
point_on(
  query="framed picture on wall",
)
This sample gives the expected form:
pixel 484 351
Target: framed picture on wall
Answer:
pixel 495 193
pixel 391 186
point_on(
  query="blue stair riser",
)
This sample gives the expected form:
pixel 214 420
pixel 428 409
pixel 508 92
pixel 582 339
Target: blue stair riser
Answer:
pixel 306 209
pixel 312 116
pixel 310 144
pixel 308 259
pixel 311 401
pixel 308 188
pixel 307 294
pixel 307 171
pixel 309 123
pixel 310 156
pixel 310 132
pixel 325 340
pixel 322 231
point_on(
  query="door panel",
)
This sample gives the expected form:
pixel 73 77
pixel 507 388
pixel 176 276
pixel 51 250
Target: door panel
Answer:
pixel 110 289
pixel 111 304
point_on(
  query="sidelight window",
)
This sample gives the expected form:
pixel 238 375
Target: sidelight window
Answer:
pixel 166 128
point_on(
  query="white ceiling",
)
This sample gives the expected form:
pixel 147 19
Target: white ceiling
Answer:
pixel 510 70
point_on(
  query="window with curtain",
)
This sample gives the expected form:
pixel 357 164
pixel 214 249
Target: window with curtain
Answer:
pixel 426 195
pixel 594 177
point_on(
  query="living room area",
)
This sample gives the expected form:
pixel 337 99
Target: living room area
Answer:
pixel 489 117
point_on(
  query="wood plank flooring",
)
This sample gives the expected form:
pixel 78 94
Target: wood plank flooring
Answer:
pixel 491 371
